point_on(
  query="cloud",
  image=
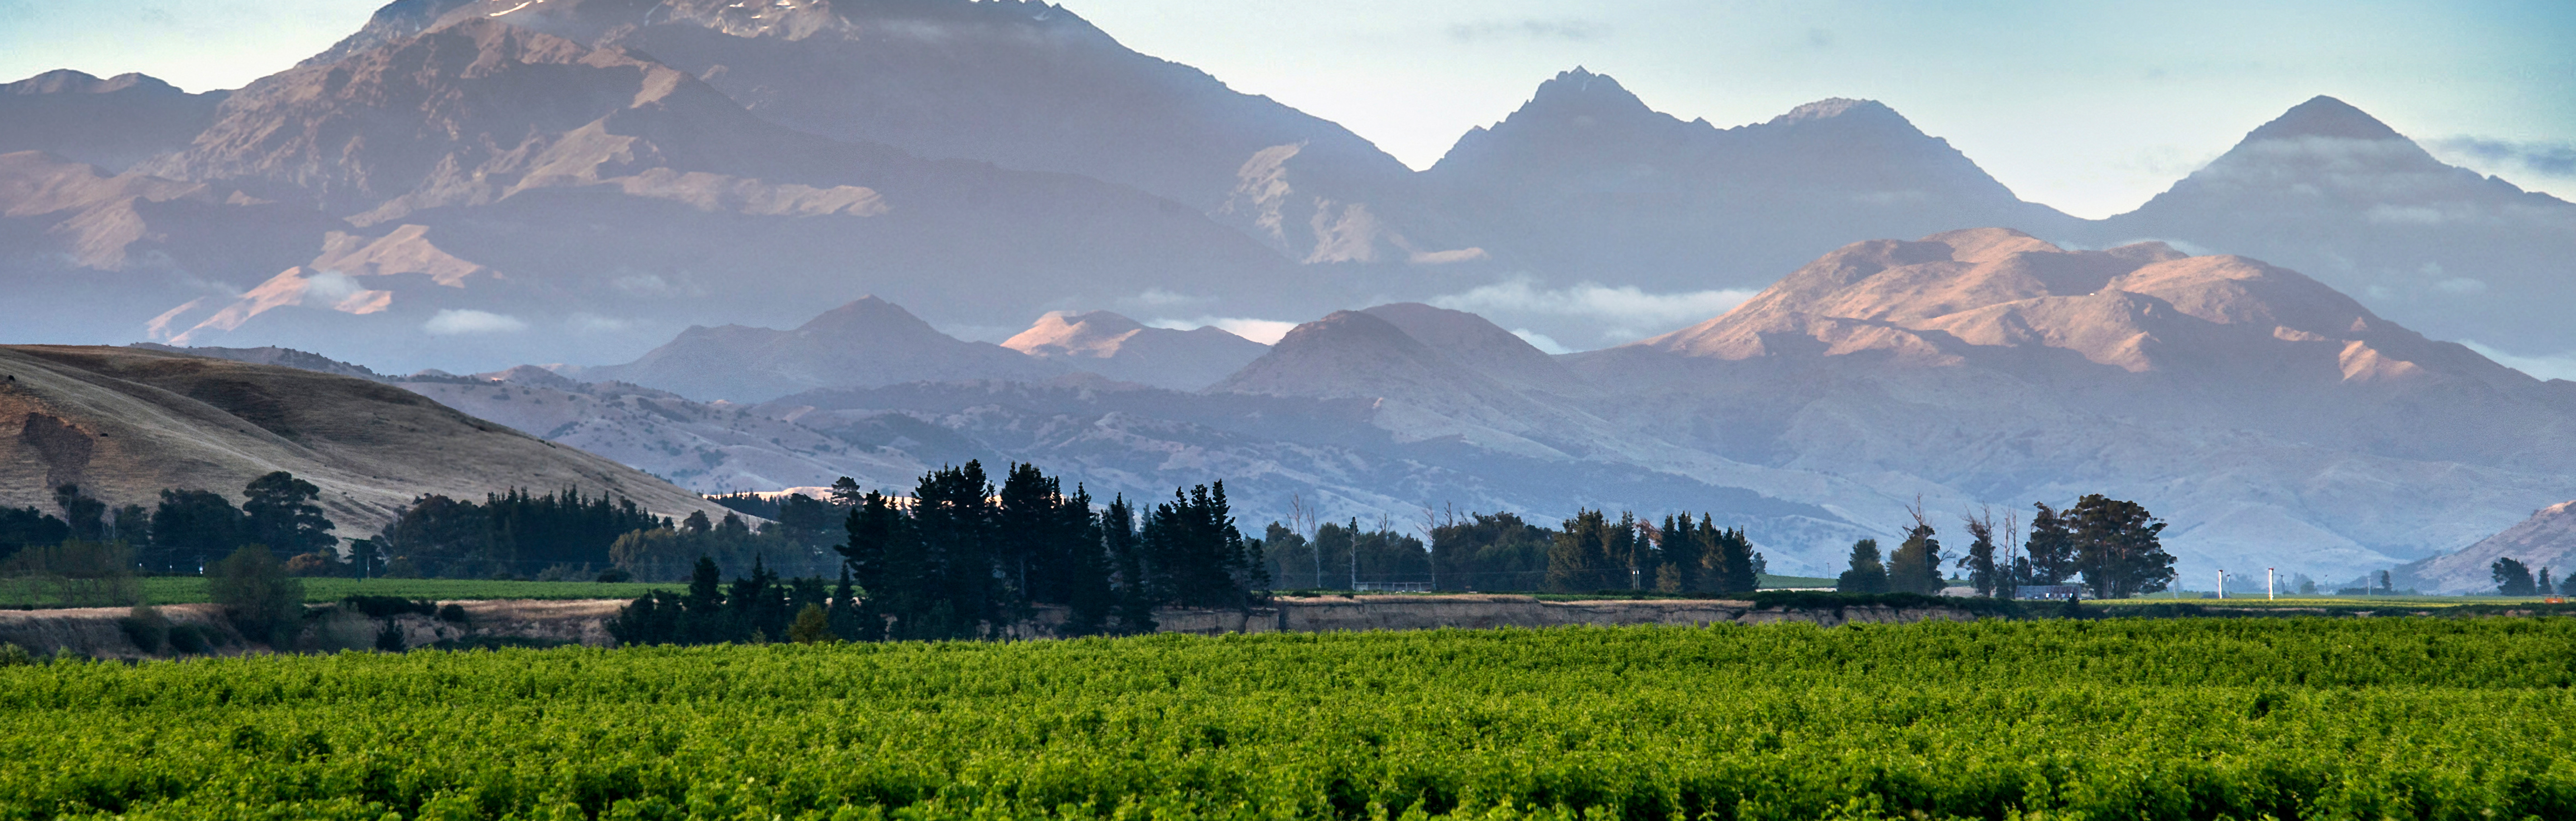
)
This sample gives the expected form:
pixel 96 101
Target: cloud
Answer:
pixel 2461 285
pixel 2542 158
pixel 591 323
pixel 1572 30
pixel 1541 341
pixel 1626 312
pixel 2553 366
pixel 1160 298
pixel 454 322
pixel 1264 331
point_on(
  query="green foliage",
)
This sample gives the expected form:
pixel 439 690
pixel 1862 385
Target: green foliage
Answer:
pixel 278 511
pixel 1496 551
pixel 264 603
pixel 1915 567
pixel 812 625
pixel 2287 718
pixel 2117 547
pixel 21 527
pixel 1594 553
pixel 519 534
pixel 190 530
pixel 194 589
pixel 146 627
pixel 2513 578
pixel 1866 573
pixel 70 574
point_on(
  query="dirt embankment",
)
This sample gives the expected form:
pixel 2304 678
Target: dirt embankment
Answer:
pixel 99 633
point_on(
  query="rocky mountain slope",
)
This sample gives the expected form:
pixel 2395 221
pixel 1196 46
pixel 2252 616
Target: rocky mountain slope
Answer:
pixel 1120 348
pixel 125 424
pixel 2270 418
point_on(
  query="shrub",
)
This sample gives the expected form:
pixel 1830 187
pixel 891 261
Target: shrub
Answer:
pixel 262 601
pixel 452 613
pixel 147 627
pixel 189 638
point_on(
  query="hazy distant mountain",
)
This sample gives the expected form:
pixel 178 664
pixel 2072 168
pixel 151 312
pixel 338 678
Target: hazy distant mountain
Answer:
pixel 1586 182
pixel 125 423
pixel 710 448
pixel 511 195
pixel 111 123
pixel 866 343
pixel 1021 84
pixel 2334 193
pixel 1479 345
pixel 2547 539
pixel 2270 418
pixel 1120 348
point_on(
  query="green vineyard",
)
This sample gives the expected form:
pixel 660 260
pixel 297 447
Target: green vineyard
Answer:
pixel 2122 719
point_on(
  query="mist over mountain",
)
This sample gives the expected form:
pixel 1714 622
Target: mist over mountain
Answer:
pixel 866 343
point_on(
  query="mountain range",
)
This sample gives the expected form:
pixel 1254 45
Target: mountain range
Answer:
pixel 645 193
pixel 469 184
pixel 2273 420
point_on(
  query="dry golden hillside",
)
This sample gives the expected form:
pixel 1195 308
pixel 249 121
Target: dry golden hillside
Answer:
pixel 125 423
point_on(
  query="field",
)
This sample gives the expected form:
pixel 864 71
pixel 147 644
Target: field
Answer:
pixel 2282 718
pixel 192 589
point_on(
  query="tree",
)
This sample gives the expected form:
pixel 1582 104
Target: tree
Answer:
pixel 25 527
pixel 1135 608
pixel 2544 586
pixel 1686 550
pixel 1591 553
pixel 1866 574
pixel 2512 578
pixel 2051 549
pixel 1497 551
pixel 812 625
pixel 191 529
pixel 1733 565
pixel 87 517
pixel 1915 567
pixel 278 511
pixel 1983 573
pixel 262 601
pixel 2117 547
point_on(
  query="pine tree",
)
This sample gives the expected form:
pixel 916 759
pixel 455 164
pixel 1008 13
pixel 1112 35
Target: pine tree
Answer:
pixel 1731 556
pixel 2117 547
pixel 1867 574
pixel 1686 549
pixel 1915 567
pixel 1980 561
pixel 1135 595
pixel 2051 549
pixel 2512 578
pixel 812 625
pixel 278 511
pixel 190 530
pixel 1587 555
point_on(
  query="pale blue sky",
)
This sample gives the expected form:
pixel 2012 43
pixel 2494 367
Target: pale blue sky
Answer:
pixel 2091 107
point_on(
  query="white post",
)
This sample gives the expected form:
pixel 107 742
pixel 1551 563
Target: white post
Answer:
pixel 2267 583
pixel 2222 584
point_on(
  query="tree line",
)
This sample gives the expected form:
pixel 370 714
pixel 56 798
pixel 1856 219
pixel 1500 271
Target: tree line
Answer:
pixel 2513 578
pixel 2114 545
pixel 964 558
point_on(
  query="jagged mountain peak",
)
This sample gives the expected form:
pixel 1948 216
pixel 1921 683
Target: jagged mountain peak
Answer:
pixel 1117 347
pixel 2323 116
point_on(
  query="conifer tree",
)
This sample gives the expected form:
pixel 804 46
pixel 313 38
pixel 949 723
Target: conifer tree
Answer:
pixel 2051 549
pixel 278 511
pixel 1983 574
pixel 2118 547
pixel 1732 559
pixel 2512 578
pixel 1915 567
pixel 1135 595
pixel 1686 549
pixel 1867 573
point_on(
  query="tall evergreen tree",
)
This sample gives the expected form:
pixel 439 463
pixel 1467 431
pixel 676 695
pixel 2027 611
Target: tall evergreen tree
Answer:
pixel 87 517
pixel 2512 578
pixel 2051 549
pixel 278 511
pixel 1731 559
pixel 1118 538
pixel 1915 567
pixel 1588 555
pixel 1686 549
pixel 2117 547
pixel 192 529
pixel 1867 573
pixel 1983 573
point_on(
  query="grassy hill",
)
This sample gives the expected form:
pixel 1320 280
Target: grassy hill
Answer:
pixel 125 423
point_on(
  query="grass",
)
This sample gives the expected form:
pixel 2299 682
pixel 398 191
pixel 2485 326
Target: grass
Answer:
pixel 192 589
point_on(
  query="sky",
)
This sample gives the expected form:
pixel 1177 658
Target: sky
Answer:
pixel 2090 107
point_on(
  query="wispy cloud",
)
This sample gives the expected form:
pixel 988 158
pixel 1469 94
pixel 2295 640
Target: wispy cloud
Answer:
pixel 1264 331
pixel 1568 29
pixel 455 322
pixel 2546 159
pixel 2553 366
pixel 1624 313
